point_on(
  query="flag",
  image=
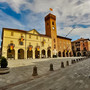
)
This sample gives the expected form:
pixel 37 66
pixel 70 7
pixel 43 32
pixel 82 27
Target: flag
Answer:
pixel 37 49
pixel 22 39
pixel 69 51
pixel 50 9
pixel 11 47
pixel 65 51
pixel 30 49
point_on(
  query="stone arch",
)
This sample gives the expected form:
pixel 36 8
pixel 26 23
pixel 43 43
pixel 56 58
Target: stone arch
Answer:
pixel 67 53
pixel 84 54
pixel 70 54
pixel 78 54
pixel 20 54
pixel 37 53
pixel 11 53
pixel 49 53
pixel 29 54
pixel 63 53
pixel 59 53
pixel 43 53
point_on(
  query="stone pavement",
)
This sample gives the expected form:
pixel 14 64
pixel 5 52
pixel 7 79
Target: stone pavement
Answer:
pixel 20 76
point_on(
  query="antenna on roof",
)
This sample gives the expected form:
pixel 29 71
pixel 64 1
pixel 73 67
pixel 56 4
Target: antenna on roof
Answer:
pixel 70 31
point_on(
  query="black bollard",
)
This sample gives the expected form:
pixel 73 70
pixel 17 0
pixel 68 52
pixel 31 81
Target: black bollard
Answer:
pixel 77 60
pixel 51 67
pixel 34 71
pixel 67 63
pixel 62 65
pixel 72 62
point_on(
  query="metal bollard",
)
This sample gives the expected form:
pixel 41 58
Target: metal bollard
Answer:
pixel 67 63
pixel 72 62
pixel 34 71
pixel 51 67
pixel 77 60
pixel 62 65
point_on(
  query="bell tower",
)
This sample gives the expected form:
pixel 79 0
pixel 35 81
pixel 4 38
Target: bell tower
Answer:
pixel 50 26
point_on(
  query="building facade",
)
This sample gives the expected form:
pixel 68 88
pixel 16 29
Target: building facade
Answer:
pixel 81 47
pixel 64 47
pixel 20 44
pixel 61 46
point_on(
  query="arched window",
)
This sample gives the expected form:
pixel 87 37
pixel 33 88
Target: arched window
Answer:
pixel 54 46
pixel 54 40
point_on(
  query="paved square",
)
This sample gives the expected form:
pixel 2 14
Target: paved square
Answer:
pixel 60 79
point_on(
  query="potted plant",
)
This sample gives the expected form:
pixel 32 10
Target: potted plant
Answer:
pixel 4 69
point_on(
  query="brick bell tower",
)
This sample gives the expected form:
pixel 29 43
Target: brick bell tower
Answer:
pixel 50 26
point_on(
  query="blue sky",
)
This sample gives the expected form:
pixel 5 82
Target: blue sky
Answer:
pixel 29 14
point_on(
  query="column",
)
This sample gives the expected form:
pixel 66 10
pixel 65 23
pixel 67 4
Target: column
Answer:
pixel 68 54
pixel 81 53
pixel 61 54
pixel 46 52
pixel 4 52
pixel 51 54
pixel 65 54
pixel 40 54
pixel 25 54
pixel 33 53
pixel 16 53
pixel 76 53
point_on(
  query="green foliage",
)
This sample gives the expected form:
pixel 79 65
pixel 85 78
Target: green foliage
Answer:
pixel 4 62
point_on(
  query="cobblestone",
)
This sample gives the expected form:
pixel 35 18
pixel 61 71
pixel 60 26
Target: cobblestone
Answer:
pixel 22 70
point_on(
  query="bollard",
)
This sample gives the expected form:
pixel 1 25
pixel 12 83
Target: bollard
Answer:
pixel 77 60
pixel 34 71
pixel 62 65
pixel 51 67
pixel 72 62
pixel 67 63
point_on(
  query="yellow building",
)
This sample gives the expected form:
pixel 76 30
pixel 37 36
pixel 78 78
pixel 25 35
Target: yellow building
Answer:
pixel 20 44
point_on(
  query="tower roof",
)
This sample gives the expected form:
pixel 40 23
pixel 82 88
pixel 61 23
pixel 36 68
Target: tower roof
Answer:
pixel 50 16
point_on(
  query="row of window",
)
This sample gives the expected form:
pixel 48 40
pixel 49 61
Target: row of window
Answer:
pixel 22 43
pixel 12 34
pixel 65 42
pixel 52 23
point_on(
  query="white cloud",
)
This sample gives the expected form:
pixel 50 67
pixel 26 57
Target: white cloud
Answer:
pixel 68 12
pixel 80 32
